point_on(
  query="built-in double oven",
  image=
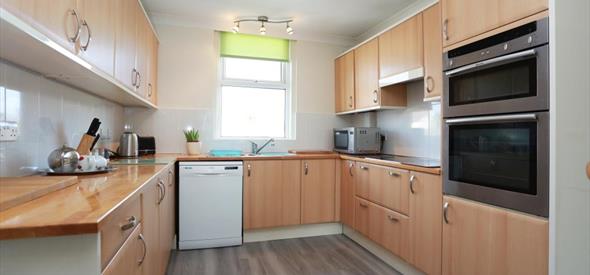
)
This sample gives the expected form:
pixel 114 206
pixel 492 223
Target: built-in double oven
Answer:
pixel 496 113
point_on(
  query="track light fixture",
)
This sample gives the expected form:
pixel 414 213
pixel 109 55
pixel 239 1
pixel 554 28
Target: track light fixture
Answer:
pixel 262 20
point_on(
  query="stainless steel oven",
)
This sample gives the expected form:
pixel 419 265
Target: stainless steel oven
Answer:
pixel 506 73
pixel 496 131
pixel 500 159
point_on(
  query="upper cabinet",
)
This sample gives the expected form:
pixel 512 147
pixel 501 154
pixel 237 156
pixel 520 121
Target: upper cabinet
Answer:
pixel 463 19
pixel 344 82
pixel 432 52
pixel 400 49
pixel 366 75
pixel 104 47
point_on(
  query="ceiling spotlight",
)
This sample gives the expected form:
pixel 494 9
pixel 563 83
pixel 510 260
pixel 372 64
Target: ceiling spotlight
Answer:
pixel 262 29
pixel 289 29
pixel 236 27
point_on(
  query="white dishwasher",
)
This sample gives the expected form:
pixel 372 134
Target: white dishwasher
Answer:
pixel 210 204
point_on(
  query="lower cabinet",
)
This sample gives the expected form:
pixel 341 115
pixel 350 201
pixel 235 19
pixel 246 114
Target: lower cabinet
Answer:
pixel 483 239
pixel 347 176
pixel 390 229
pixel 271 193
pixel 318 191
pixel 167 218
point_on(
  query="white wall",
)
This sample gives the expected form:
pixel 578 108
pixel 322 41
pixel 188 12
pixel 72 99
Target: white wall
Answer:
pixel 49 114
pixel 570 137
pixel 188 86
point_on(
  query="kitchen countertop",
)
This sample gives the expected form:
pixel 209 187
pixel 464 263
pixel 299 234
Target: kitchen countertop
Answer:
pixel 81 208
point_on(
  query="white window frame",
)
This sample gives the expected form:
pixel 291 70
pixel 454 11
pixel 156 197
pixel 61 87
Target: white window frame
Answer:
pixel 285 83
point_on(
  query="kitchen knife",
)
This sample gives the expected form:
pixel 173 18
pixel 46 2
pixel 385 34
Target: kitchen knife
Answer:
pixel 94 142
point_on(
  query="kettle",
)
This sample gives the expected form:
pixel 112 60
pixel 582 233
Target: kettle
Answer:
pixel 128 144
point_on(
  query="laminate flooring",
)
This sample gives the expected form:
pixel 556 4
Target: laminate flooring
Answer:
pixel 333 254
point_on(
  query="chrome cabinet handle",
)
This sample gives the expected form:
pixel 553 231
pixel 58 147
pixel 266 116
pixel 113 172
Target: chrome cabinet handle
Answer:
pixel 138 80
pixel 134 77
pixel 350 166
pixel 364 205
pixel 142 239
pixel 394 174
pixel 170 178
pixel 375 99
pixel 412 178
pixel 445 210
pixel 429 88
pixel 249 170
pixel 364 168
pixel 306 168
pixel 78 26
pixel 161 191
pixel 149 89
pixel 446 29
pixel 85 25
pixel 350 104
pixel 131 223
pixel 392 218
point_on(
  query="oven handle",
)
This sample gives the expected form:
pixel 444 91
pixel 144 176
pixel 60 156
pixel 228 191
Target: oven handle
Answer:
pixel 519 117
pixel 492 61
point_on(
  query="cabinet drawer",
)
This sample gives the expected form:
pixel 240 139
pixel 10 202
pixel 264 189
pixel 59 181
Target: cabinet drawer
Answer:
pixel 390 230
pixel 116 227
pixel 130 258
pixel 361 216
pixel 389 187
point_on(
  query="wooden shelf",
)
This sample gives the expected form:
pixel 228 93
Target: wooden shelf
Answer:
pixel 23 45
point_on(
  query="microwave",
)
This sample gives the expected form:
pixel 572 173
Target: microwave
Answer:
pixel 357 140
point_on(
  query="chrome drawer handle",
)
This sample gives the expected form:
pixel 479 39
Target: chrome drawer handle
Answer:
pixel 394 174
pixel 142 239
pixel 364 168
pixel 392 218
pixel 131 223
pixel 306 168
pixel 362 204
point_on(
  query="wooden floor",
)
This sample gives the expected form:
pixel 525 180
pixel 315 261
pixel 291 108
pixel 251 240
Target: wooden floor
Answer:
pixel 334 254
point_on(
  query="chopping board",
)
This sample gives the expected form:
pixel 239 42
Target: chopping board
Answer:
pixel 18 190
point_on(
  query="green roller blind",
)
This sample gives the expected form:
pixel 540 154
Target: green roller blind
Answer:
pixel 253 46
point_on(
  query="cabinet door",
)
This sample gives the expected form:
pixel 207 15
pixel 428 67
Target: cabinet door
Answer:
pixel 97 36
pixel 483 239
pixel 390 230
pixel 344 85
pixel 361 216
pixel 432 52
pixel 58 19
pixel 150 201
pixel 143 54
pixel 167 218
pixel 318 182
pixel 131 257
pixel 347 192
pixel 388 187
pixel 463 19
pixel 426 221
pixel 362 180
pixel 400 49
pixel 271 193
pixel 366 75
pixel 152 84
pixel 125 42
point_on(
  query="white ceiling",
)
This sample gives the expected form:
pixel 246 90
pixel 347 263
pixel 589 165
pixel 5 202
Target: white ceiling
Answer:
pixel 327 19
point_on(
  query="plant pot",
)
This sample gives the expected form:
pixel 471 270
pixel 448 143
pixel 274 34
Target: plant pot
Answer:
pixel 193 148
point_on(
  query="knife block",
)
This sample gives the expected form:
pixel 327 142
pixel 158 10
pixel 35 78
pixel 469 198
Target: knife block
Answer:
pixel 85 144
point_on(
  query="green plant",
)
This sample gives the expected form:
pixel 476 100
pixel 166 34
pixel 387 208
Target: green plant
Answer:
pixel 191 135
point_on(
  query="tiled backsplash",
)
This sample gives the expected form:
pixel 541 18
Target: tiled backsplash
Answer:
pixel 415 130
pixel 48 114
pixel 314 131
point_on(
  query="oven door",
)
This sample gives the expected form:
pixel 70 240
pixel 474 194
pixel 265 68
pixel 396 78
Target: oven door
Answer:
pixel 517 82
pixel 500 160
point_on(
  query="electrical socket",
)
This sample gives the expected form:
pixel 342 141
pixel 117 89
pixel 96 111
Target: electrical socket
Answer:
pixel 8 131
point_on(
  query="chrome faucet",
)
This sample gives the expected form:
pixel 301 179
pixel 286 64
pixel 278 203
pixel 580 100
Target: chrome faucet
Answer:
pixel 256 150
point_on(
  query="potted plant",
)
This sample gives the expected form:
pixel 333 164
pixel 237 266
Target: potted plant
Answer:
pixel 193 145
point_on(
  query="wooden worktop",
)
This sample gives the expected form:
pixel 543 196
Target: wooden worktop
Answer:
pixel 288 157
pixel 77 209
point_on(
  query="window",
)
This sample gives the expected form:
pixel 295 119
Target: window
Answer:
pixel 255 96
